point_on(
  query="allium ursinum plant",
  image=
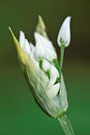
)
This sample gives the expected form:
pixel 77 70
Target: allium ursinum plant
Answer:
pixel 42 71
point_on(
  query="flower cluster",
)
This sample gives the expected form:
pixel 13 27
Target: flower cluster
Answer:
pixel 41 69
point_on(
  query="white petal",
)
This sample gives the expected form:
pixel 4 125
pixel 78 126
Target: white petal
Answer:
pixel 64 33
pixel 27 46
pixel 54 90
pixel 40 50
pixel 22 39
pixel 46 65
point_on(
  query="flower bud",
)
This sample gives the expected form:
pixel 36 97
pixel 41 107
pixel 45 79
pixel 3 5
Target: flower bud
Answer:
pixel 64 35
pixel 48 93
pixel 47 46
pixel 22 39
pixel 40 50
pixel 54 74
pixel 46 65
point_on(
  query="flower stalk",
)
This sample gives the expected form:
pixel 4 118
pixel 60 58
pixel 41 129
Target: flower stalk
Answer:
pixel 66 125
pixel 61 59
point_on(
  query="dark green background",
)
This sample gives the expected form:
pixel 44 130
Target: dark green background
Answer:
pixel 19 114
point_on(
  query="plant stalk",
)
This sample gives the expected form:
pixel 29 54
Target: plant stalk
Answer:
pixel 61 59
pixel 66 125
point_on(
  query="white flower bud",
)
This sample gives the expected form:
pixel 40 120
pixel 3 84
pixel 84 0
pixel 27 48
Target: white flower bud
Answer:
pixel 24 42
pixel 50 53
pixel 22 39
pixel 32 50
pixel 27 46
pixel 46 65
pixel 46 42
pixel 64 35
pixel 40 50
pixel 33 54
pixel 54 74
pixel 54 90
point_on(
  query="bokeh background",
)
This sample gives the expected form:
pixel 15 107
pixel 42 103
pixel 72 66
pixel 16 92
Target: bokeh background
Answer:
pixel 19 114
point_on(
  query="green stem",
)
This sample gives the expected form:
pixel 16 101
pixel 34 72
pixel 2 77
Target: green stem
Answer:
pixel 61 59
pixel 66 125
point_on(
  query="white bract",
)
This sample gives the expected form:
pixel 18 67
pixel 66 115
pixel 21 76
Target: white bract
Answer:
pixel 64 35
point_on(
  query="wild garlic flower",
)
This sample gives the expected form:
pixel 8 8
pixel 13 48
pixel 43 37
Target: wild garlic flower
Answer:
pixel 64 35
pixel 41 69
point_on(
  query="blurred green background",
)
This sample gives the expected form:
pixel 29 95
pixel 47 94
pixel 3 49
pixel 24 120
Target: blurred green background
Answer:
pixel 19 114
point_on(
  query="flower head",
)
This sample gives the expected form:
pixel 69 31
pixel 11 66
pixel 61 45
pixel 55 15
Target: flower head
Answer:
pixel 64 35
pixel 41 72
